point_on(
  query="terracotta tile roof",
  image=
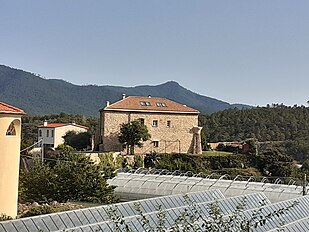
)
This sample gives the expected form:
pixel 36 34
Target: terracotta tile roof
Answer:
pixel 55 125
pixel 8 109
pixel 150 104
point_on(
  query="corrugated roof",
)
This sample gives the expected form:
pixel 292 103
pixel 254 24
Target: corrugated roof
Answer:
pixel 150 104
pixel 55 125
pixel 8 109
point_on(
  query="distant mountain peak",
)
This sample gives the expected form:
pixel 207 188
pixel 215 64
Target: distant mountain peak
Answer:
pixel 49 96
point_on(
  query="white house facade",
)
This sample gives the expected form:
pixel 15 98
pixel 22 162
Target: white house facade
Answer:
pixel 52 134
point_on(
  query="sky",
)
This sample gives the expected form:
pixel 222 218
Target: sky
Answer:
pixel 252 52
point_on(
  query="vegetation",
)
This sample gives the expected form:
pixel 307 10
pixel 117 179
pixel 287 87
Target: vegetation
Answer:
pixel 42 209
pixel 272 123
pixel 109 163
pixel 74 177
pixel 268 163
pixel 278 127
pixel 79 141
pixel 43 96
pixel 30 124
pixel 217 153
pixel 4 217
pixel 133 134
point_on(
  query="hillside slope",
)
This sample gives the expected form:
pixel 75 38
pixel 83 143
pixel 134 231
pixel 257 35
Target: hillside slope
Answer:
pixel 37 95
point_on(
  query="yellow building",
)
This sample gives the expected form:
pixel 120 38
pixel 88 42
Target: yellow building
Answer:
pixel 10 134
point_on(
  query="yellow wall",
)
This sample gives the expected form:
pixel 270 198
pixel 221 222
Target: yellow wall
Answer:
pixel 9 164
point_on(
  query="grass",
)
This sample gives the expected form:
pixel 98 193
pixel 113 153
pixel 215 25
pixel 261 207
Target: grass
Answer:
pixel 86 204
pixel 217 153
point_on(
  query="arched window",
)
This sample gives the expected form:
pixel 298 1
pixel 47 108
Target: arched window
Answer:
pixel 11 129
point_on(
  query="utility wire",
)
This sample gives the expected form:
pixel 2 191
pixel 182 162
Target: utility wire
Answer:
pixel 31 145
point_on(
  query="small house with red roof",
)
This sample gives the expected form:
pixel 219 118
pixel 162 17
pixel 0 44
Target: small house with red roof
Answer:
pixel 173 126
pixel 51 133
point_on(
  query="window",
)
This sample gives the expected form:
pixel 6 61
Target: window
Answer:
pixel 155 143
pixel 155 123
pixel 143 103
pixel 168 123
pixel 141 120
pixel 161 104
pixel 40 133
pixel 47 133
pixel 52 133
pixel 11 129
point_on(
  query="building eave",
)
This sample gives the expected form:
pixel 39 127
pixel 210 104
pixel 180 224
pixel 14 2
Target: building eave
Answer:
pixel 149 111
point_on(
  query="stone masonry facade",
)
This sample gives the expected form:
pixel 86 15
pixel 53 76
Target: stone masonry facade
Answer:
pixel 171 133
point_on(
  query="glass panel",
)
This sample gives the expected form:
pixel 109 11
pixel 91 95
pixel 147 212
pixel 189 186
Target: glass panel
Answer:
pixel 49 224
pixel 81 217
pixel 58 221
pixel 20 226
pixel 90 216
pixel 67 220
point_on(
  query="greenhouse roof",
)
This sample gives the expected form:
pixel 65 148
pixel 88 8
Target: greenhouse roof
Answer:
pixel 157 192
pixel 80 217
pixel 133 186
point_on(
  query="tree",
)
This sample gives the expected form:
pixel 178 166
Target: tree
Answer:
pixel 76 140
pixel 133 134
pixel 74 177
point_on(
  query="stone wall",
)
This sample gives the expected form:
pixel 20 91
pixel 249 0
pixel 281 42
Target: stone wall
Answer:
pixel 174 138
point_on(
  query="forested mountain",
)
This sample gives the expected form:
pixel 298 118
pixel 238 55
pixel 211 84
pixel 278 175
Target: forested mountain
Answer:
pixel 273 123
pixel 279 127
pixel 37 95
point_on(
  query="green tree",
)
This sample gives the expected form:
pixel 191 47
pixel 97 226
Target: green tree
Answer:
pixel 133 134
pixel 76 140
pixel 305 166
pixel 74 177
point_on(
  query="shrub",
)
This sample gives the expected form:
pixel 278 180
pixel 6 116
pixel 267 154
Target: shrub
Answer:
pixel 39 210
pixel 4 217
pixel 74 177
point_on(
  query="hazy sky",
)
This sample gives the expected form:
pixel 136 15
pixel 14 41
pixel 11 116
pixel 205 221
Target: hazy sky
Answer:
pixel 239 51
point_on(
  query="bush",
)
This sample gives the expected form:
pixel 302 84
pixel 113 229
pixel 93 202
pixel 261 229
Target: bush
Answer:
pixel 74 177
pixel 39 210
pixel 76 140
pixel 138 161
pixel 108 164
pixel 4 217
pixel 47 209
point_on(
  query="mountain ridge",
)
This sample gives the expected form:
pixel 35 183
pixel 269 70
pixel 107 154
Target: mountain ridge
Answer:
pixel 37 95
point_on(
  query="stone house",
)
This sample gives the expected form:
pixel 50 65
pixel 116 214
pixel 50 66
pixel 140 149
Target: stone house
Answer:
pixel 52 133
pixel 173 127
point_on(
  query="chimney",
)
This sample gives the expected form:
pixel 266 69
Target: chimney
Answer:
pixel 107 103
pixel 45 123
pixel 123 96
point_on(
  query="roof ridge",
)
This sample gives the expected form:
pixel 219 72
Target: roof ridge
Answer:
pixel 13 108
pixel 136 103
